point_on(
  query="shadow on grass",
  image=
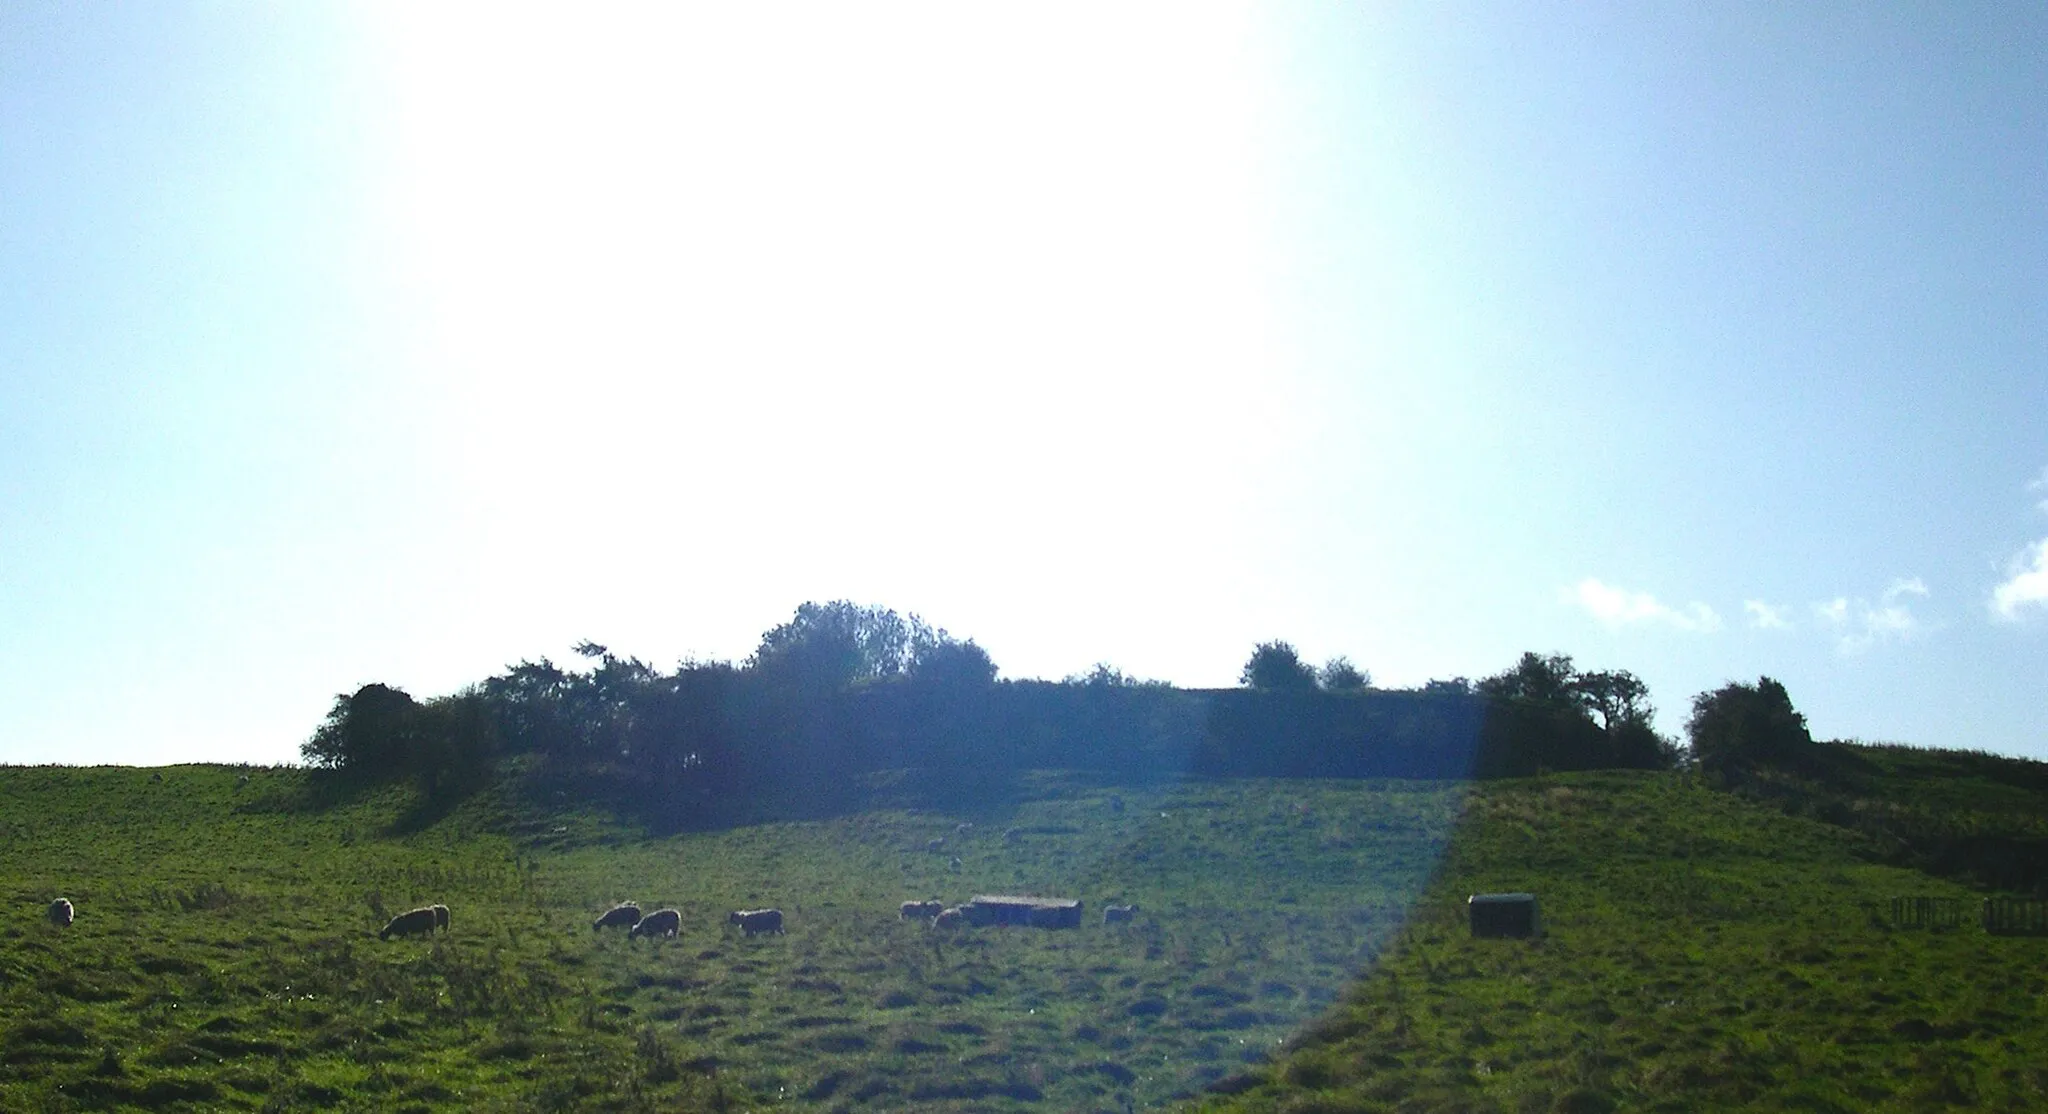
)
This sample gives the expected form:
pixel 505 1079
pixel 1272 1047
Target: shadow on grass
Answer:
pixel 980 792
pixel 427 811
pixel 1974 817
pixel 314 791
pixel 319 791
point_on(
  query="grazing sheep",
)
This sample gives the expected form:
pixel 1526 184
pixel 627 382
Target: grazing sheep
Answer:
pixel 60 912
pixel 949 918
pixel 1118 914
pixel 921 909
pixel 625 914
pixel 954 866
pixel 935 844
pixel 661 922
pixel 751 921
pixel 416 922
pixel 963 827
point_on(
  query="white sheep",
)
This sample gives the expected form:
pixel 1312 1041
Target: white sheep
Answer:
pixel 416 922
pixel 751 921
pixel 625 914
pixel 661 922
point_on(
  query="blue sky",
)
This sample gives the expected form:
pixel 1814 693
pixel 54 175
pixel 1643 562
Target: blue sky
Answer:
pixel 343 343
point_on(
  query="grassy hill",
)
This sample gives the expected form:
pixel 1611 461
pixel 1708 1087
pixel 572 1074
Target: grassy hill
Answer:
pixel 225 954
pixel 1300 945
pixel 1702 952
pixel 1982 818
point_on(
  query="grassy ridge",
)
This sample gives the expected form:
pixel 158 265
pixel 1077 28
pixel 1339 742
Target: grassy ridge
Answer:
pixel 1702 953
pixel 222 957
pixel 1976 817
pixel 225 954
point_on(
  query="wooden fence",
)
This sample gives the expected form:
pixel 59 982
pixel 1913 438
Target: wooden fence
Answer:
pixel 2016 916
pixel 1927 912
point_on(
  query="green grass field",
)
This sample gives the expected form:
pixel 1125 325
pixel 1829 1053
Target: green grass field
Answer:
pixel 1300 944
pixel 1701 953
pixel 225 954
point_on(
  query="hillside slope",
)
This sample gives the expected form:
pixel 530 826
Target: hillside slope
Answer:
pixel 226 957
pixel 1701 952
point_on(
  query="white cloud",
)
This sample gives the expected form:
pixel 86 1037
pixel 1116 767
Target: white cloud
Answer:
pixel 1860 624
pixel 2026 583
pixel 2026 575
pixel 1619 607
pixel 1891 618
pixel 1764 616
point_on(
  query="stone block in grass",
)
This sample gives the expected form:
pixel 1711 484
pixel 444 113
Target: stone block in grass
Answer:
pixel 1504 915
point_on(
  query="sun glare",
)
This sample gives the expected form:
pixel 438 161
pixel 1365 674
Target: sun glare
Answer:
pixel 876 272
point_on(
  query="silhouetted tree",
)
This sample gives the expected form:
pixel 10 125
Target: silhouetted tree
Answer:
pixel 379 733
pixel 604 706
pixel 829 646
pixel 1276 667
pixel 1545 679
pixel 686 735
pixel 1618 698
pixel 942 660
pixel 1622 701
pixel 369 732
pixel 1549 713
pixel 1638 746
pixel 456 747
pixel 842 690
pixel 1738 727
pixel 1104 675
pixel 528 703
pixel 1339 675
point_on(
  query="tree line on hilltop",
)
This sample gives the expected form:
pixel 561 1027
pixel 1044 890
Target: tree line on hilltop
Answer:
pixel 842 691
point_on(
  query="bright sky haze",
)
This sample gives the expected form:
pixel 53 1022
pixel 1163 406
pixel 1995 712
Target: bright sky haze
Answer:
pixel 351 343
